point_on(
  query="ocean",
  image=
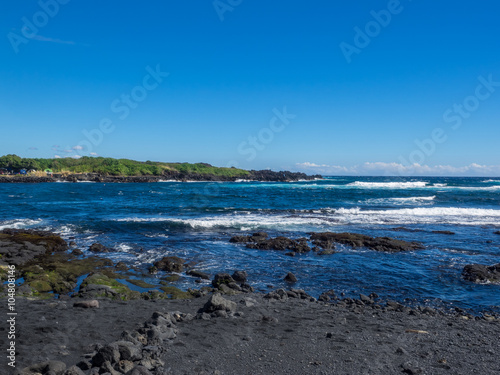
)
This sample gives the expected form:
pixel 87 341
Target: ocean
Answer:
pixel 145 222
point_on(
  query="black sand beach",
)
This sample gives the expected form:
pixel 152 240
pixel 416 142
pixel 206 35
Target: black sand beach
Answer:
pixel 265 336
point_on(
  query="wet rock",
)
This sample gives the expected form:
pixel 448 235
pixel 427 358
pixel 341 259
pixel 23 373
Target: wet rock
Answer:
pixel 217 302
pixel 497 232
pixel 99 248
pixel 354 240
pixel 256 237
pixel 121 266
pixel 99 285
pixel 478 273
pixel 447 232
pixel 18 246
pixel 240 277
pixel 199 274
pixel 222 278
pixel 290 277
pixel 327 296
pixel 170 264
pixel 87 304
pixel 281 243
pixel 77 252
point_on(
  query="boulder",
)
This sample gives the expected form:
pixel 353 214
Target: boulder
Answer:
pixel 108 353
pixel 290 277
pixel 217 302
pixel 222 278
pixel 479 273
pixel 99 248
pixel 87 304
pixel 240 277
pixel 170 264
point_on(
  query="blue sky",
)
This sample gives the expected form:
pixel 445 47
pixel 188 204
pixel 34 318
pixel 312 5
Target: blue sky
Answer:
pixel 362 87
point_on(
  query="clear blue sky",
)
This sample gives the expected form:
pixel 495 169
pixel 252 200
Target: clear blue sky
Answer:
pixel 355 104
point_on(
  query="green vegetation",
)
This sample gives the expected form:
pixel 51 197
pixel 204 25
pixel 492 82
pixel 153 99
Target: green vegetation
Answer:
pixel 115 167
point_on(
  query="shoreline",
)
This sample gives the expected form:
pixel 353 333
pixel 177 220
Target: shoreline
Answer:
pixel 226 328
pixel 252 334
pixel 259 176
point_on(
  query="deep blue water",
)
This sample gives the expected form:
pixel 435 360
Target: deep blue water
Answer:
pixel 144 222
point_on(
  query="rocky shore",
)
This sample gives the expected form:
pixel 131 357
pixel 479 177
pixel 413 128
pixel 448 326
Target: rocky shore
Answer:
pixel 98 325
pixel 253 175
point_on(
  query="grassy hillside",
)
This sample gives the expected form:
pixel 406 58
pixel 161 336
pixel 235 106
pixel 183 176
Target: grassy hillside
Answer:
pixel 115 167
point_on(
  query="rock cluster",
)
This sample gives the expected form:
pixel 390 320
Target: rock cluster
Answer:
pixel 136 353
pixel 324 243
pixel 479 273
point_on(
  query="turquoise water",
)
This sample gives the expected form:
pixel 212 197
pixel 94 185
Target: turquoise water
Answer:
pixel 144 222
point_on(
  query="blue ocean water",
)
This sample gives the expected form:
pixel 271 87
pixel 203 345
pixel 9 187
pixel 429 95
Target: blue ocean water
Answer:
pixel 144 222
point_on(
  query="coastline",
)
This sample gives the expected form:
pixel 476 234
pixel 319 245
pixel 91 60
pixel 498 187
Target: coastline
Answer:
pixel 103 326
pixel 263 176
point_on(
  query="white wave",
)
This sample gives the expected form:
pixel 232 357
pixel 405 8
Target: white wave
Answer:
pixel 391 185
pixel 142 219
pixel 123 247
pixel 243 180
pixel 249 222
pixel 19 223
pixel 168 181
pixel 86 182
pixel 414 199
pixel 439 185
pixel 400 201
pixel 492 181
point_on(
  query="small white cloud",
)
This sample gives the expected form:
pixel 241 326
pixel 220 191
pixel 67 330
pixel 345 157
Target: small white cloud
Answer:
pixel 94 154
pixel 68 151
pixel 76 156
pixel 57 157
pixel 78 147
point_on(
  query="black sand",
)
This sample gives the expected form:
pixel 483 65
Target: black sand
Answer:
pixel 270 337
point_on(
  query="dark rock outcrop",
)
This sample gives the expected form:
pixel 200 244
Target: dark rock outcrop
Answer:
pixel 19 246
pixel 290 277
pixel 99 248
pixel 198 274
pixel 479 273
pixel 170 264
pixel 355 240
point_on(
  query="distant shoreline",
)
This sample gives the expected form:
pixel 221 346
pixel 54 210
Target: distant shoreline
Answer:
pixel 261 176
